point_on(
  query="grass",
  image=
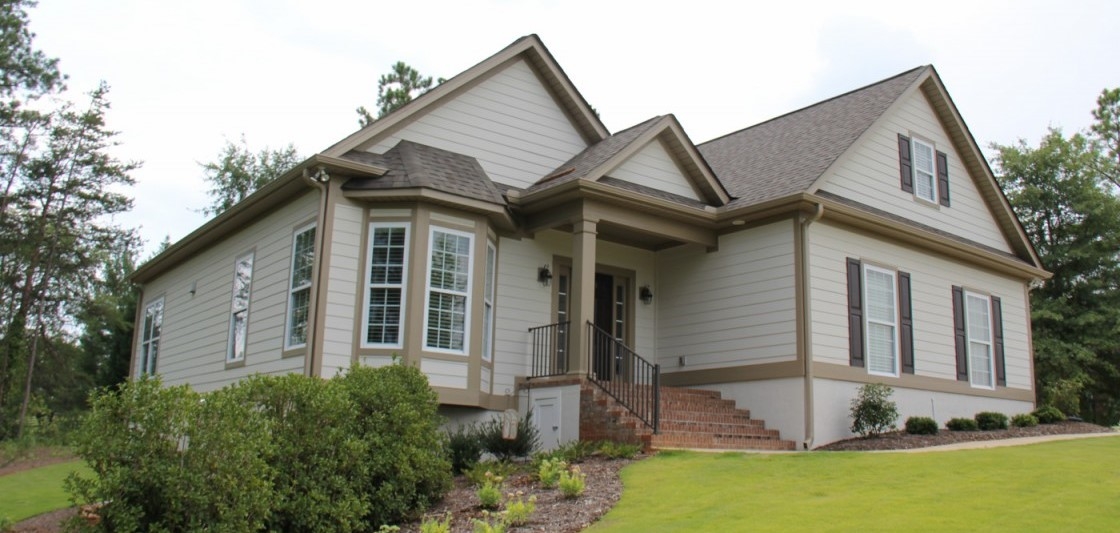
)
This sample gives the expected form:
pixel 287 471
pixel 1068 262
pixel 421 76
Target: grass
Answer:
pixel 1057 486
pixel 36 491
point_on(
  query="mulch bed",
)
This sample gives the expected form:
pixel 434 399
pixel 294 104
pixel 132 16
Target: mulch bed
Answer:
pixel 900 440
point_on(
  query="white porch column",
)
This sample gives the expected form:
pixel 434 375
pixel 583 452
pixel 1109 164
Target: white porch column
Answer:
pixel 582 294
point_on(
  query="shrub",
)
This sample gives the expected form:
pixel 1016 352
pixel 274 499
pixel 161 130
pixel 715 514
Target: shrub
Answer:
pixel 549 472
pixel 1065 394
pixel 527 440
pixel 490 493
pixel 619 450
pixel 490 523
pixel 572 482
pixel 962 424
pixel 519 511
pixel 872 412
pixel 435 525
pixel 990 421
pixel 477 475
pixel 464 447
pixel 921 425
pixel 1024 420
pixel 1048 414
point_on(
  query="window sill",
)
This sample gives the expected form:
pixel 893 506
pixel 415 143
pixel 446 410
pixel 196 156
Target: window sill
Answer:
pixel 235 364
pixel 294 351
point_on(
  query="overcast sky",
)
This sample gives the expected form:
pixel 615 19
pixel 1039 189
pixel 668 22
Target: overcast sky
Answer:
pixel 187 76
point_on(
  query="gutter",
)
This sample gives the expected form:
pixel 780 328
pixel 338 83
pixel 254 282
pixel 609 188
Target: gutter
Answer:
pixel 807 331
pixel 319 180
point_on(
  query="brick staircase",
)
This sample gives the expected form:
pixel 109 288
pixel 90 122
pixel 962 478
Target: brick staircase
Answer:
pixel 690 418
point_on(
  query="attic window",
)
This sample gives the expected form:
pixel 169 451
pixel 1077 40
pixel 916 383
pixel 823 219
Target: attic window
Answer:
pixel 923 170
pixel 925 185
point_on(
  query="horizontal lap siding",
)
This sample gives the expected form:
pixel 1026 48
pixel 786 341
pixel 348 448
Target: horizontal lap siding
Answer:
pixel 653 167
pixel 343 288
pixel 509 122
pixel 931 279
pixel 869 174
pixel 731 307
pixel 196 328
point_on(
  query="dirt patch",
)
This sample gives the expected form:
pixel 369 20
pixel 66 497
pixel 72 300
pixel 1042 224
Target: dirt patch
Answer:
pixel 900 440
pixel 35 458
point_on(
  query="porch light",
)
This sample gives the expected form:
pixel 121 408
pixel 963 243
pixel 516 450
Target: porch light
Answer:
pixel 645 294
pixel 544 275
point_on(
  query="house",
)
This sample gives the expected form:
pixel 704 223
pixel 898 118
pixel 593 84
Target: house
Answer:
pixel 495 234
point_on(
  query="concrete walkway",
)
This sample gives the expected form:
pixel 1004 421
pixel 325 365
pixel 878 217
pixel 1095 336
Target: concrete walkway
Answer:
pixel 973 445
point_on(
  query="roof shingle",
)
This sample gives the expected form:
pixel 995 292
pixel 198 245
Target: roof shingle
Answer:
pixel 417 165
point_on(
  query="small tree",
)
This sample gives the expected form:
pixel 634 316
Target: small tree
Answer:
pixel 395 89
pixel 872 410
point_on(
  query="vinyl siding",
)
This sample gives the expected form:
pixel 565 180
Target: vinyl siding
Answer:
pixel 653 167
pixel 343 288
pixel 869 173
pixel 509 122
pixel 931 278
pixel 196 328
pixel 448 374
pixel 731 307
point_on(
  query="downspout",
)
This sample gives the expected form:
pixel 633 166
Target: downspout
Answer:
pixel 807 331
pixel 318 179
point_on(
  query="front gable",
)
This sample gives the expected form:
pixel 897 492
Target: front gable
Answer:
pixel 652 166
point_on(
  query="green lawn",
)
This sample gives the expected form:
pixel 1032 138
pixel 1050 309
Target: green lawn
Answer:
pixel 36 491
pixel 1057 486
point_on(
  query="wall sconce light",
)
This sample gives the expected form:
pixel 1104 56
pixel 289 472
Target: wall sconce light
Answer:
pixel 544 275
pixel 645 294
pixel 194 288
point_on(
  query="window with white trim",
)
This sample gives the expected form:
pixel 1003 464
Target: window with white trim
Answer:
pixel 446 317
pixel 385 285
pixel 299 287
pixel 925 177
pixel 239 308
pixel 488 302
pixel 881 319
pixel 979 332
pixel 149 341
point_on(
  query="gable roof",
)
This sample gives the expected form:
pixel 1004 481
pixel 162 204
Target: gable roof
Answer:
pixel 529 48
pixel 412 164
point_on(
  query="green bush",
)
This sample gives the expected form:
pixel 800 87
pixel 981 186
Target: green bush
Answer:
pixel 464 447
pixel 872 412
pixel 1048 414
pixel 619 450
pixel 572 483
pixel 490 493
pixel 549 472
pixel 1024 420
pixel 526 442
pixel 962 424
pixel 921 425
pixel 990 421
pixel 1064 394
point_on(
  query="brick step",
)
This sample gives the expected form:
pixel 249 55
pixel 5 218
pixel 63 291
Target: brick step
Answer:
pixel 700 410
pixel 716 418
pixel 719 442
pixel 707 404
pixel 716 429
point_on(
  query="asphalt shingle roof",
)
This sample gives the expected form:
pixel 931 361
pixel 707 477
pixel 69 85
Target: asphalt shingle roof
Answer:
pixel 417 165
pixel 593 156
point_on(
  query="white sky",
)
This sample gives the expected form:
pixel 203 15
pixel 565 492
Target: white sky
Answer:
pixel 188 75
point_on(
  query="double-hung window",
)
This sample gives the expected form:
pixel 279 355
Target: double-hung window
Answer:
pixel 149 342
pixel 446 318
pixel 882 320
pixel 239 309
pixel 924 171
pixel 385 285
pixel 925 181
pixel 488 303
pixel 978 321
pixel 979 333
pixel 299 288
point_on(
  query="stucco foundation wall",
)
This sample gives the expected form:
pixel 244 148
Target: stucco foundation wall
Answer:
pixel 832 400
pixel 780 402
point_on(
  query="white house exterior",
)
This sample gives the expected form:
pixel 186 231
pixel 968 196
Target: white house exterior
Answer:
pixel 862 239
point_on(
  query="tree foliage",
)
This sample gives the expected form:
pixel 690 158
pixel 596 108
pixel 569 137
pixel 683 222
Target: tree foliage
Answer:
pixel 395 89
pixel 238 171
pixel 1063 193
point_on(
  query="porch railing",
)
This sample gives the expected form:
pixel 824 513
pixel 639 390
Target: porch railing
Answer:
pixel 549 350
pixel 627 377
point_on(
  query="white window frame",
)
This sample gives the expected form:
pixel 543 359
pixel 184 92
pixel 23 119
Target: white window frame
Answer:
pixel 489 288
pixel 918 173
pixel 294 289
pixel 971 338
pixel 402 286
pixel 867 321
pixel 231 349
pixel 428 291
pixel 148 340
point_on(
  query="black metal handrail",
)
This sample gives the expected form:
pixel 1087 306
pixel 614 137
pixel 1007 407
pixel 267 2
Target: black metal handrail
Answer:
pixel 549 349
pixel 626 376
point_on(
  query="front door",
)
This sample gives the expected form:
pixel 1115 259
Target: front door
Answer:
pixel 611 310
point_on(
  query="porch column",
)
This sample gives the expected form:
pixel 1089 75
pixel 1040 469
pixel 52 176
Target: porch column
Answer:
pixel 582 294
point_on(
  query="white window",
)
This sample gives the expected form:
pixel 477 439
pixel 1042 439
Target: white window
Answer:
pixel 239 309
pixel 446 319
pixel 488 303
pixel 881 320
pixel 979 332
pixel 385 283
pixel 299 288
pixel 925 177
pixel 149 341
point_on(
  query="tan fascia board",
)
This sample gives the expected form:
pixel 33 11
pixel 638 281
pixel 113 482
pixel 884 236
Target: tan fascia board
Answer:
pixel 800 202
pixel 496 213
pixel 592 129
pixel 586 189
pixel 698 165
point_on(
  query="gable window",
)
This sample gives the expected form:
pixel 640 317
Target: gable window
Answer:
pixel 149 342
pixel 449 275
pixel 239 309
pixel 978 320
pixel 299 288
pixel 488 303
pixel 923 170
pixel 385 282
pixel 880 325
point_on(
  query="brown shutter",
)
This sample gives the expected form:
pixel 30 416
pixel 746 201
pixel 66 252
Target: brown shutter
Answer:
pixel 906 168
pixel 906 323
pixel 943 178
pixel 960 337
pixel 855 313
pixel 997 341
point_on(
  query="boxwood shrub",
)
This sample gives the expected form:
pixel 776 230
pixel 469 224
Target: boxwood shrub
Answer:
pixel 921 425
pixel 1024 420
pixel 962 424
pixel 1048 414
pixel 990 421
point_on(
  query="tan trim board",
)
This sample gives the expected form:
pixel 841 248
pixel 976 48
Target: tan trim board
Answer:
pixel 799 294
pixel 1030 336
pixel 328 210
pixel 474 398
pixel 711 376
pixel 138 329
pixel 913 381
